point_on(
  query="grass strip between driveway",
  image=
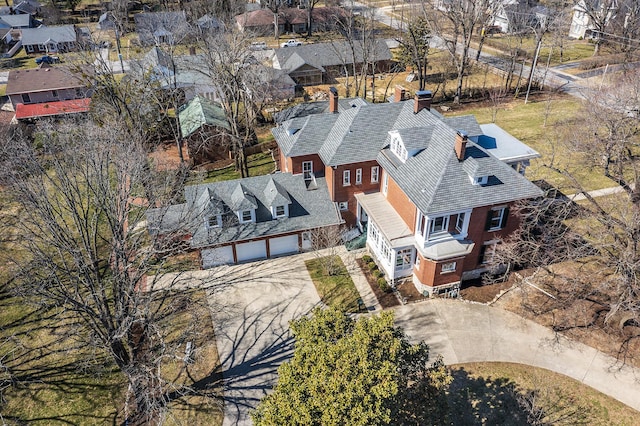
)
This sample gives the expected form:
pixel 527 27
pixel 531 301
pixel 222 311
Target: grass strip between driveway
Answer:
pixel 336 289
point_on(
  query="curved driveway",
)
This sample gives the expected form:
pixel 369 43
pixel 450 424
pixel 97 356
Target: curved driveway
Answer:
pixel 469 332
pixel 253 303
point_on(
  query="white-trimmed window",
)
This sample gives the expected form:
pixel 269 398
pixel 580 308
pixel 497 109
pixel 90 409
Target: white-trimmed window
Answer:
pixel 346 178
pixel 460 222
pixel 497 218
pixel 245 216
pixel 279 211
pixel 448 267
pixel 480 180
pixel 41 47
pixel 375 174
pixel 397 147
pixel 30 48
pixel 438 225
pixel 214 221
pixel 417 261
pixel 385 183
pixel 307 169
pixel 343 205
pixel 358 176
pixel 403 259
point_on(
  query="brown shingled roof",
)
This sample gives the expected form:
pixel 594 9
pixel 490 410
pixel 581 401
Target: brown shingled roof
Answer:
pixel 41 79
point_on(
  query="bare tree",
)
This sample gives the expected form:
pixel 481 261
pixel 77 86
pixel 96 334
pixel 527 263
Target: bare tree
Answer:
pixel 456 22
pixel 80 206
pixel 603 231
pixel 600 13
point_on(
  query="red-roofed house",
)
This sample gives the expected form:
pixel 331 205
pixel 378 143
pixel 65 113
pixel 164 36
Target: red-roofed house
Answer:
pixel 46 91
pixel 51 109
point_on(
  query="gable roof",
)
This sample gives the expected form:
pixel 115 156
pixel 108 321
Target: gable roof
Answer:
pixel 15 21
pixel 152 25
pixel 307 209
pixel 41 79
pixel 41 35
pixel 200 112
pixel 355 134
pixel 320 55
pixel 309 108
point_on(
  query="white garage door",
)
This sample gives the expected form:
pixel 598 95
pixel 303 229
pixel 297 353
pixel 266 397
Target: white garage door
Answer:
pixel 283 245
pixel 217 256
pixel 251 251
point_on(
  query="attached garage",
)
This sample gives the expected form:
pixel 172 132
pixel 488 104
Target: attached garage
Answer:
pixel 251 251
pixel 283 245
pixel 217 256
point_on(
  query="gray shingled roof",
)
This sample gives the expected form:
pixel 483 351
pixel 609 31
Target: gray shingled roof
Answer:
pixel 307 209
pixel 436 182
pixel 320 55
pixel 309 108
pixel 59 34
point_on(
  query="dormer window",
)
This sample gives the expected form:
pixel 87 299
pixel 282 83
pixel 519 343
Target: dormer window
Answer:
pixel 245 216
pixel 279 211
pixel 397 147
pixel 214 221
pixel 480 180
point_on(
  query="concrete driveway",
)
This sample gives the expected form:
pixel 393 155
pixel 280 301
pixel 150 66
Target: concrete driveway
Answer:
pixel 253 303
pixel 251 314
pixel 469 332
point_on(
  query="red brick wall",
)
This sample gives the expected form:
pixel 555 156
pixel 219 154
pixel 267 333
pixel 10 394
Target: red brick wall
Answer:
pixel 478 234
pixel 296 164
pixel 401 203
pixel 430 272
pixel 338 192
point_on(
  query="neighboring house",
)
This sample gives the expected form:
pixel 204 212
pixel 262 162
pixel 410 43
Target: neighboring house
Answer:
pixel 292 20
pixel 247 219
pixel 319 63
pixel 28 7
pixel 582 25
pixel 54 39
pixel 190 73
pixel 433 202
pixel 155 28
pixel 208 23
pixel 46 91
pixel 16 21
pixel 106 21
pixel 515 16
pixel 205 130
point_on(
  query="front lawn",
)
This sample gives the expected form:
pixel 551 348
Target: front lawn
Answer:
pixel 488 393
pixel 335 290
pixel 259 164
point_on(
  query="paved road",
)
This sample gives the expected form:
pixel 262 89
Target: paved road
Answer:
pixel 253 306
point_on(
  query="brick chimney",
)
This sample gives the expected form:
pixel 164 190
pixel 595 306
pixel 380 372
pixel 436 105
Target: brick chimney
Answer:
pixel 460 145
pixel 422 101
pixel 399 95
pixel 333 100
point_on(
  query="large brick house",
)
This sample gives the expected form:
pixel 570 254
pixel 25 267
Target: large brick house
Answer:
pixel 433 200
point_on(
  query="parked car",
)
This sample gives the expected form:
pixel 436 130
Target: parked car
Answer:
pixel 258 45
pixel 291 43
pixel 46 59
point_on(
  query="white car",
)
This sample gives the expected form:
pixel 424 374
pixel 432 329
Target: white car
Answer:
pixel 291 43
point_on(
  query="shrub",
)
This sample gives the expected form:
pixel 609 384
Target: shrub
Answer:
pixel 377 273
pixel 367 259
pixel 384 286
pixel 372 266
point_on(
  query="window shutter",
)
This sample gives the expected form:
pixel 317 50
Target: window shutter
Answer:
pixel 505 216
pixel 487 225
